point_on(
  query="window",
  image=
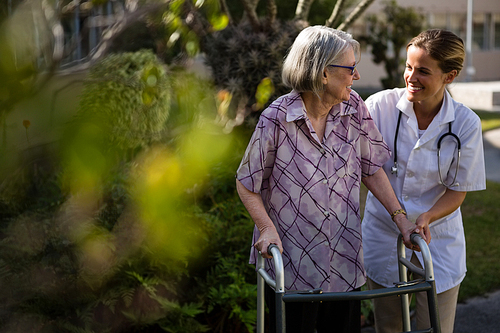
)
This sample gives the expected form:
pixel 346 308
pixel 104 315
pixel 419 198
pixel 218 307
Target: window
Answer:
pixel 496 31
pixel 458 24
pixel 478 32
pixel 438 21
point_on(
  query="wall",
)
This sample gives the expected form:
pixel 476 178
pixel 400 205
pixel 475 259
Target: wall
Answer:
pixel 486 62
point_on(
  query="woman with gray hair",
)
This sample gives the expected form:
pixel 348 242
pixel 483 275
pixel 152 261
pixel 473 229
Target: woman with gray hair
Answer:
pixel 300 178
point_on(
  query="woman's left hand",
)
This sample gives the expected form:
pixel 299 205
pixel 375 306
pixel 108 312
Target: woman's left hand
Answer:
pixel 422 223
pixel 407 228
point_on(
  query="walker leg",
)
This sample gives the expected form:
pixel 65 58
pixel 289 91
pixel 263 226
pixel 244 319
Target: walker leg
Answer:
pixel 260 304
pixel 433 308
pixel 280 313
pixel 405 307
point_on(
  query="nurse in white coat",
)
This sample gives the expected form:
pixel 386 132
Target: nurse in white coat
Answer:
pixel 431 195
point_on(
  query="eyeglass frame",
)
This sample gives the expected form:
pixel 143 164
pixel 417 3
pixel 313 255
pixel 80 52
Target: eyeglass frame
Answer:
pixel 352 68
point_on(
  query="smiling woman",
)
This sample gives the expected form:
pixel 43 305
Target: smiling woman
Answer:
pixel 438 158
pixel 300 179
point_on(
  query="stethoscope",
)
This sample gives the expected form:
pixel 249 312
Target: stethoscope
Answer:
pixel 394 169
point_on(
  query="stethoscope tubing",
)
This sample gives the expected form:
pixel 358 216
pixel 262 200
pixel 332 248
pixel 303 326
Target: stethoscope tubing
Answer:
pixel 394 169
pixel 459 148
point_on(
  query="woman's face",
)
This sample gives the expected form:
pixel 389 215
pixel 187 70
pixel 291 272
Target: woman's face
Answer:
pixel 425 81
pixel 338 81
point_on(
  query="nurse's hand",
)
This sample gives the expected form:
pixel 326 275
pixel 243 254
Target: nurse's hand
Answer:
pixel 422 223
pixel 406 227
pixel 267 237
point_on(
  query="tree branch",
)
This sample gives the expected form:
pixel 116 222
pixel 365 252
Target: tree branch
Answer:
pixel 225 10
pixel 120 25
pixel 302 10
pixel 355 14
pixel 272 11
pixel 339 5
pixel 251 13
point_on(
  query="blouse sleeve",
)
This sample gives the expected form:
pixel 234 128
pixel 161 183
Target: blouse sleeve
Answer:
pixel 374 151
pixel 258 160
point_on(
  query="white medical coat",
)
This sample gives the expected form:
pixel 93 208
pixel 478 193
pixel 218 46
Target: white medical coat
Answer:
pixel 417 185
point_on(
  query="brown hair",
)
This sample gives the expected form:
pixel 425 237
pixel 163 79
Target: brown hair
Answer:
pixel 443 46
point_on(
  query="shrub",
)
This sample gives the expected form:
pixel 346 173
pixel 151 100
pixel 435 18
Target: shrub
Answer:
pixel 240 58
pixel 141 233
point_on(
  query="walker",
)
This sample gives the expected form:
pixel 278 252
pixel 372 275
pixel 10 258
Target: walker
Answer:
pixel 402 288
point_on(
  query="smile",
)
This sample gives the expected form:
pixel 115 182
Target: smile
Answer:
pixel 414 89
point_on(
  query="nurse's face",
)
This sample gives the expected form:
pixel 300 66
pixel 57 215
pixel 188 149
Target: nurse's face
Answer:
pixel 425 81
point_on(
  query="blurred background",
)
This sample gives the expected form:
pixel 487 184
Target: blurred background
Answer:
pixel 122 125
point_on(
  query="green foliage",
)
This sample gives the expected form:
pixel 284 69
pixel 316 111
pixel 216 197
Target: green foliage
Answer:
pixel 389 36
pixel 231 298
pixel 97 240
pixel 228 287
pixel 127 98
pixel 240 58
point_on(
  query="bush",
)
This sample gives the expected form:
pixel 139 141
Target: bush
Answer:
pixel 134 224
pixel 240 58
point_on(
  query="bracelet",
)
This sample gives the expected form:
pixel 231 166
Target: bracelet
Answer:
pixel 399 211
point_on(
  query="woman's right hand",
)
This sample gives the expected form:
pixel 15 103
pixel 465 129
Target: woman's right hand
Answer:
pixel 268 236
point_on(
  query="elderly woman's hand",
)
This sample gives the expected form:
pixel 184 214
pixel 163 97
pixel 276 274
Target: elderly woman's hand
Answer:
pixel 406 227
pixel 268 236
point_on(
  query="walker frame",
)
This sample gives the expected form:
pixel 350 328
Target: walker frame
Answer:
pixel 402 288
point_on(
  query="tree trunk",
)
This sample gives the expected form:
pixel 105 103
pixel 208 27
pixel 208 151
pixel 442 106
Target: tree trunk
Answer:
pixel 339 5
pixel 360 9
pixel 251 13
pixel 302 11
pixel 272 11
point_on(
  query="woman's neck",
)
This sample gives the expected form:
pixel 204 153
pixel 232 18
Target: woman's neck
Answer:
pixel 316 107
pixel 317 112
pixel 426 112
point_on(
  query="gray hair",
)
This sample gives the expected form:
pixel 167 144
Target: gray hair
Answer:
pixel 313 50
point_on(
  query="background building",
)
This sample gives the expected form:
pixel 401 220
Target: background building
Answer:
pixel 450 15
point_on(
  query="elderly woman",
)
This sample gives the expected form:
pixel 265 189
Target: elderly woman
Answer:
pixel 300 177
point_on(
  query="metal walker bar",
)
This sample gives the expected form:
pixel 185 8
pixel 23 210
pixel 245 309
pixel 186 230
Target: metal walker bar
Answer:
pixel 403 288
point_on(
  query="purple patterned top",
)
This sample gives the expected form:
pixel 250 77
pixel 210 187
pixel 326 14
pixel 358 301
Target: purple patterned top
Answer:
pixel 310 188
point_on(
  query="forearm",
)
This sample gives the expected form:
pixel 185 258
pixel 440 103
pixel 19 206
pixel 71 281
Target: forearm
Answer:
pixel 447 204
pixel 255 207
pixel 381 188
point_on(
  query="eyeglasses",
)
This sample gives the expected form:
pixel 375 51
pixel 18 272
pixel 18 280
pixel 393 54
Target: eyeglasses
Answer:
pixel 352 68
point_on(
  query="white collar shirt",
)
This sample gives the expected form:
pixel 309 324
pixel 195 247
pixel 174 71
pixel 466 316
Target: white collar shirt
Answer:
pixel 417 185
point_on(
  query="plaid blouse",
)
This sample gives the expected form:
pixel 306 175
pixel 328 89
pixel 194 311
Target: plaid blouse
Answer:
pixel 310 188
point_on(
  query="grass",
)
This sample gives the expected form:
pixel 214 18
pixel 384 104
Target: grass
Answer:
pixel 481 213
pixel 489 120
